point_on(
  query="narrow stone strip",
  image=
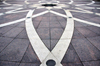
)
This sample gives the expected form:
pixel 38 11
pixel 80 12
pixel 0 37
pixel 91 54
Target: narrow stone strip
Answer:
pixel 63 44
pixel 59 14
pixel 41 50
pixel 22 19
pixel 87 22
pixel 6 3
pixel 39 14
pixel 39 47
pixel 11 11
pixel 26 2
pixel 71 2
pixel 13 22
pixel 92 2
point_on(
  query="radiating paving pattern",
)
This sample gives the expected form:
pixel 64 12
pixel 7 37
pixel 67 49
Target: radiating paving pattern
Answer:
pixel 25 26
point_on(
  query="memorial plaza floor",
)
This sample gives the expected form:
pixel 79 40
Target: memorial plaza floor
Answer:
pixel 45 33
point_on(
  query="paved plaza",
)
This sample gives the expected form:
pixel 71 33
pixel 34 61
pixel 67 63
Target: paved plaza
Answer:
pixel 40 33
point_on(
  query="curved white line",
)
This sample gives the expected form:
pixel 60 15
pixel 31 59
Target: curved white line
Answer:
pixel 10 4
pixel 71 2
pixel 26 2
pixel 22 19
pixel 87 11
pixel 39 47
pixel 6 3
pixel 11 11
pixel 92 2
pixel 41 50
pixel 63 44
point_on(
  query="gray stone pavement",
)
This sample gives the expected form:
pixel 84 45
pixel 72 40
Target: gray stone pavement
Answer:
pixel 16 49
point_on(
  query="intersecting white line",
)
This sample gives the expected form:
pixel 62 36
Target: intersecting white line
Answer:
pixel 9 12
pixel 79 20
pixel 22 19
pixel 88 11
pixel 59 14
pixel 36 42
pixel 63 44
pixel 40 14
pixel 92 2
pixel 71 2
pixel 41 50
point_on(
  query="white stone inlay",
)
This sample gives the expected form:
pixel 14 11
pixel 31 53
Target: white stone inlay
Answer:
pixel 87 22
pixel 22 19
pixel 39 47
pixel 59 14
pixel 6 3
pixel 41 50
pixel 92 2
pixel 71 1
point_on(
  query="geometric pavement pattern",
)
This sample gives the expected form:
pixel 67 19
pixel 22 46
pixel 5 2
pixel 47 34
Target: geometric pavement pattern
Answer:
pixel 16 49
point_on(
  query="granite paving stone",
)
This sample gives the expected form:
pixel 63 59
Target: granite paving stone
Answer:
pixel 85 50
pixel 15 50
pixel 88 16
pixel 53 44
pixel 78 24
pixel 61 19
pixel 47 43
pixel 77 34
pixel 22 34
pixel 15 46
pixel 30 56
pixel 72 64
pixel 51 14
pixel 4 42
pixel 53 19
pixel 43 24
pixel 29 64
pixel 45 19
pixel 37 19
pixel 95 41
pixel 55 24
pixel 95 20
pixel 43 33
pixel 56 33
pixel 92 63
pixel 71 56
pixel 79 17
pixel 13 32
pixel 22 24
pixel 86 32
pixel 13 17
pixel 7 63
pixel 94 29
pixel 3 30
